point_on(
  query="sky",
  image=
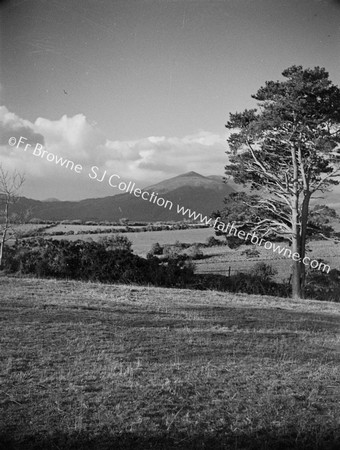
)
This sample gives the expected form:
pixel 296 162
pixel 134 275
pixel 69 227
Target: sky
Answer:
pixel 142 88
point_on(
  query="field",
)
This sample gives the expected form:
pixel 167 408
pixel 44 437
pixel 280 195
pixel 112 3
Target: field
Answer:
pixel 82 228
pixel 90 366
pixel 221 260
pixel 143 241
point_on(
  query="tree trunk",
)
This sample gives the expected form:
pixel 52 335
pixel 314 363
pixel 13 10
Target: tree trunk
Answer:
pixel 296 265
pixel 302 250
pixel 1 253
pixel 2 245
pixel 296 230
pixel 4 234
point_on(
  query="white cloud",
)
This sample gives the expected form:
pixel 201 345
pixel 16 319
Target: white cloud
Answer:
pixel 146 160
pixel 71 137
pixel 158 157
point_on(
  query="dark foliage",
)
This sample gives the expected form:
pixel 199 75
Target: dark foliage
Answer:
pixel 245 283
pixel 99 262
pixel 213 242
pixel 156 249
pixel 94 261
pixel 251 253
pixel 263 271
pixel 322 286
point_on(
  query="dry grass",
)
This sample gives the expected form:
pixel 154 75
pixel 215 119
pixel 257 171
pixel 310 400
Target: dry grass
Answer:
pixel 107 367
pixel 141 241
pixel 221 258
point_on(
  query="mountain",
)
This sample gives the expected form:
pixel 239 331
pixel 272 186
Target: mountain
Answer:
pixel 202 194
pixel 190 190
pixel 192 179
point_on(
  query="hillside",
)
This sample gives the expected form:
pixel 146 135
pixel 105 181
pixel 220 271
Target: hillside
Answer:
pixel 194 191
pixel 192 179
pixel 90 366
pixel 191 190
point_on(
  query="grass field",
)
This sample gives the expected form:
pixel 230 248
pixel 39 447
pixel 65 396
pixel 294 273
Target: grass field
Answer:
pixel 82 228
pixel 142 242
pixel 218 259
pixel 90 366
pixel 221 258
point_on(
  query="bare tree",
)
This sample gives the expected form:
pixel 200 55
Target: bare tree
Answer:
pixel 10 185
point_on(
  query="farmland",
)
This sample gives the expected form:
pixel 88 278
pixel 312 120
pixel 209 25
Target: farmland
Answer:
pixel 142 241
pixel 112 366
pixel 221 260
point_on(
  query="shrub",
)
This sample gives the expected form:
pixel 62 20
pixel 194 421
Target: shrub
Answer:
pixel 169 251
pixel 156 249
pixel 94 261
pixel 179 245
pixel 232 241
pixel 194 252
pixel 116 242
pixel 213 242
pixel 251 253
pixel 263 271
pixel 323 286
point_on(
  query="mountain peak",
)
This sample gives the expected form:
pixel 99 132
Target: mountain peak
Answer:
pixel 190 174
pixel 187 180
pixel 51 199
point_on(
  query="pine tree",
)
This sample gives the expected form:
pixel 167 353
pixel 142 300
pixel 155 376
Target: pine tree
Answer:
pixel 288 148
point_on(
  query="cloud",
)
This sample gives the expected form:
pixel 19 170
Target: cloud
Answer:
pixel 145 161
pixel 157 157
pixel 71 137
pixel 12 125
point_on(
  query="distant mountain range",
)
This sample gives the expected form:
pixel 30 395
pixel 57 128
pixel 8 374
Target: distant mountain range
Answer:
pixel 202 194
pixel 191 190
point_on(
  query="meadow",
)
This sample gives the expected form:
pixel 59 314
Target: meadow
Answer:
pixel 93 366
pixel 217 259
pixel 141 241
pixel 220 260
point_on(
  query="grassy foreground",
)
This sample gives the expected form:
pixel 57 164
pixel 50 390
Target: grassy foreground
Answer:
pixel 90 366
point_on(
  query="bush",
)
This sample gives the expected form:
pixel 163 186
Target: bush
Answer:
pixel 213 242
pixel 156 249
pixel 323 286
pixel 242 282
pixel 94 261
pixel 265 272
pixel 180 245
pixel 194 252
pixel 232 241
pixel 170 251
pixel 251 253
pixel 116 242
